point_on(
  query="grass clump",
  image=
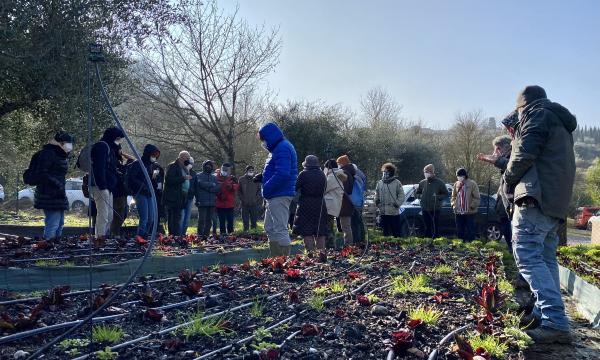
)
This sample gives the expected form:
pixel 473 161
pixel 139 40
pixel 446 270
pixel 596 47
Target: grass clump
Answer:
pixel 442 269
pixel 519 337
pixel 490 343
pixel 320 290
pixel 415 284
pixel 258 308
pixel 199 326
pixel 106 354
pixel 47 263
pixel 107 334
pixel 428 315
pixel 337 287
pixel 373 298
pixel 317 302
pixel 464 283
pixel 506 287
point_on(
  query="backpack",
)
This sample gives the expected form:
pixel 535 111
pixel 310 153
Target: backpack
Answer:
pixel 84 160
pixel 30 175
pixel 358 191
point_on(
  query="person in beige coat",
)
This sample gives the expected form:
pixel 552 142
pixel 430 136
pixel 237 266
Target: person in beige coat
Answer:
pixel 465 202
pixel 389 196
pixel 334 192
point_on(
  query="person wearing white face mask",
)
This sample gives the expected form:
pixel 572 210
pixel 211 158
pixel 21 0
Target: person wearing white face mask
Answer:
pixel 178 184
pixel 187 210
pixel 465 202
pixel 225 204
pixel 250 198
pixel 104 178
pixel 47 172
pixel 431 191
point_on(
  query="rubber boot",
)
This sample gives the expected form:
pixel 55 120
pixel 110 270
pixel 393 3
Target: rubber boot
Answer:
pixel 284 250
pixel 274 248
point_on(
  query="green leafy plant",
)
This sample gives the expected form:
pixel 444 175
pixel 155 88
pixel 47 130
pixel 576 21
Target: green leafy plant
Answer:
pixel 442 269
pixel 337 287
pixel 428 315
pixel 263 345
pixel 506 287
pixel 415 284
pixel 519 337
pixel 321 290
pixel 73 344
pixel 258 307
pixel 464 283
pixel 481 277
pixel 490 343
pixel 317 302
pixel 107 334
pixel 373 298
pixel 106 354
pixel 47 263
pixel 261 334
pixel 199 326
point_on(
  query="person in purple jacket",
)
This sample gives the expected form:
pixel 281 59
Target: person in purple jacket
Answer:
pixel 278 186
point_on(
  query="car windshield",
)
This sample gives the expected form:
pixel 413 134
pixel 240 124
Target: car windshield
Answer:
pixel 407 188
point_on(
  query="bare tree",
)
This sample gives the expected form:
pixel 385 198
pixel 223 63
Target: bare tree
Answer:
pixel 381 109
pixel 199 84
pixel 468 137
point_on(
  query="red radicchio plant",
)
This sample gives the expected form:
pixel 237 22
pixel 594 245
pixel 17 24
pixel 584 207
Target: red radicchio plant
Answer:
pixel 354 275
pixel 310 330
pixel 415 323
pixel 22 321
pixel 464 349
pixel 440 296
pixel 153 314
pixel 490 299
pixel 402 340
pixel 189 285
pixel 293 274
pixel 271 354
pixel 363 300
pixel 293 296
pixel 55 296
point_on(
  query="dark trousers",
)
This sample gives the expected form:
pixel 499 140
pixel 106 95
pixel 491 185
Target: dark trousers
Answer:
pixel 205 216
pixel 506 231
pixel 465 226
pixel 120 209
pixel 391 225
pixel 174 220
pixel 358 226
pixel 225 220
pixel 249 216
pixel 431 220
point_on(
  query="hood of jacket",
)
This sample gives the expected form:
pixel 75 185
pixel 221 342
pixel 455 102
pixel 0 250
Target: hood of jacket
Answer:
pixel 389 180
pixel 568 120
pixel 340 174
pixel 349 169
pixel 208 162
pixel 271 134
pixel 111 134
pixel 149 149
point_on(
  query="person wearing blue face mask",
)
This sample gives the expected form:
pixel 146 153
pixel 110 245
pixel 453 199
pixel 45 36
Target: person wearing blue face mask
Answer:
pixel 47 172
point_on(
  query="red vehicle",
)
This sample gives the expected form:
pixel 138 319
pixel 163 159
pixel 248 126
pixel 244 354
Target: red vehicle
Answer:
pixel 584 213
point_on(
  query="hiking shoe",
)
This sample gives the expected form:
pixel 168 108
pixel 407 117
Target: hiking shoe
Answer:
pixel 546 335
pixel 530 322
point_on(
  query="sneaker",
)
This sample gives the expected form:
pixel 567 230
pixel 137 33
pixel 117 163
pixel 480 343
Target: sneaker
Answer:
pixel 547 335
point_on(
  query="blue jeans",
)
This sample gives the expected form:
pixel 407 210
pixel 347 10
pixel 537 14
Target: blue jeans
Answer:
pixel 145 212
pixel 53 223
pixel 534 245
pixel 186 213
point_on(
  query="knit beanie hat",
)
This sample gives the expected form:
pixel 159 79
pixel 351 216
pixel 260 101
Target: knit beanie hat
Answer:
pixel 63 136
pixel 343 160
pixel 462 172
pixel 530 94
pixel 429 168
pixel 248 168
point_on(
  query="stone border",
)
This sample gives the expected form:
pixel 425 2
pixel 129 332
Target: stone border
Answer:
pixel 78 277
pixel 586 295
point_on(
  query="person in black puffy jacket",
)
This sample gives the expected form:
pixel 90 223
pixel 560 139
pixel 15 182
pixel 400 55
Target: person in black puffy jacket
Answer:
pixel 47 171
pixel 103 182
pixel 140 189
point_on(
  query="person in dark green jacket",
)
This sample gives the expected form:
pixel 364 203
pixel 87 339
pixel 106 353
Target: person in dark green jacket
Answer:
pixel 431 192
pixel 177 185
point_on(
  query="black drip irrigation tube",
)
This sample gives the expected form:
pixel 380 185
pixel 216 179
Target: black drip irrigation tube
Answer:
pixel 286 320
pixel 152 241
pixel 434 354
pixel 178 326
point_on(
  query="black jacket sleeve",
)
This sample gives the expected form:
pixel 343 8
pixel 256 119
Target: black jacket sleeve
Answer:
pixel 99 154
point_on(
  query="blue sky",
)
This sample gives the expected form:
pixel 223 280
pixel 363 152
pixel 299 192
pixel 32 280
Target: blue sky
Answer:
pixel 436 57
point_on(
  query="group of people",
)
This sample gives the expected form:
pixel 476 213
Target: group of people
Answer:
pixel 536 161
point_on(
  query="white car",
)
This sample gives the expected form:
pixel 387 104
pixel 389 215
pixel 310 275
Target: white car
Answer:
pixel 1 193
pixel 595 218
pixel 77 202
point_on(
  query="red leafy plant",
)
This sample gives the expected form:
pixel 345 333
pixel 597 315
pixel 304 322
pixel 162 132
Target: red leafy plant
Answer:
pixel 293 274
pixel 55 296
pixel 22 321
pixel 310 330
pixel 415 323
pixel 140 241
pixel 354 275
pixel 150 296
pixel 270 354
pixel 105 292
pixel 345 252
pixel 225 269
pixel 490 299
pixel 42 245
pixel 153 314
pixel 464 349
pixel 340 313
pixel 173 344
pixel 440 296
pixel 363 300
pixel 188 283
pixel 402 340
pixel 293 296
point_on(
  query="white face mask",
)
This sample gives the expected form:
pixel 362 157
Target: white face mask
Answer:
pixel 250 173
pixel 428 175
pixel 152 159
pixel 118 141
pixel 189 166
pixel 224 173
pixel 461 178
pixel 67 147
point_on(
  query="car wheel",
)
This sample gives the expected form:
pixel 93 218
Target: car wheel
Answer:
pixel 413 227
pixel 589 226
pixel 493 232
pixel 78 206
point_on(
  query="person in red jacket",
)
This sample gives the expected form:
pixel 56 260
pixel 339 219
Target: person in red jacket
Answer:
pixel 228 187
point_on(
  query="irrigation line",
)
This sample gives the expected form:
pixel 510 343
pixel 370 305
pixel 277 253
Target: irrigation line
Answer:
pixel 89 318
pixel 434 354
pixel 176 327
pixel 77 256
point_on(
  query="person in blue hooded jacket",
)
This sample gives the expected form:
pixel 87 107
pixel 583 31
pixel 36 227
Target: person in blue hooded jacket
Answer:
pixel 140 189
pixel 278 186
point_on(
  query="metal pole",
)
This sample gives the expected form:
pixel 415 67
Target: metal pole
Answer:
pixel 17 193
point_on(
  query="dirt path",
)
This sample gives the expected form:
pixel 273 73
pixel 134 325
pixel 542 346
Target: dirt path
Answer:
pixel 586 345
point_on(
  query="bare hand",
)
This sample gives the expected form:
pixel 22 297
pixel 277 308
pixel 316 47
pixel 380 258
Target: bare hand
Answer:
pixel 487 158
pixel 188 177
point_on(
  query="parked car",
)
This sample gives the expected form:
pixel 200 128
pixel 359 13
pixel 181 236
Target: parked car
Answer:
pixel 77 202
pixel 487 221
pixel 583 215
pixel 1 193
pixel 595 218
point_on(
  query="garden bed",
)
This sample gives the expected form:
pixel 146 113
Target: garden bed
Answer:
pixel 584 260
pixel 404 297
